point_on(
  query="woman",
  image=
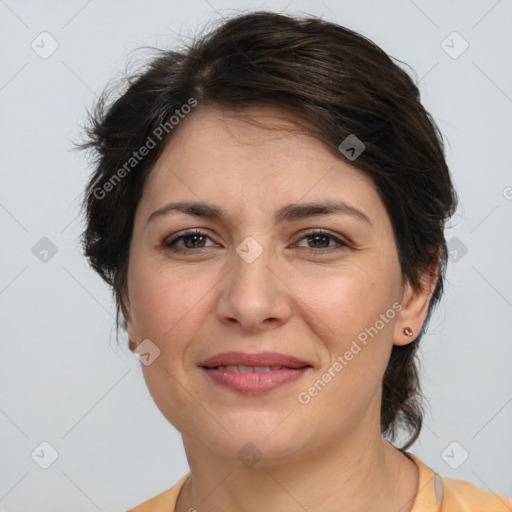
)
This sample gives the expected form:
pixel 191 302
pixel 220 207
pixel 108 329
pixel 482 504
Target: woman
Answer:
pixel 268 206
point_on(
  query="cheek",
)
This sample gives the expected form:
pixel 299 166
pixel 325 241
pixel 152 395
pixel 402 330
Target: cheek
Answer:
pixel 168 304
pixel 348 301
pixel 168 309
pixel 158 303
pixel 356 341
pixel 346 316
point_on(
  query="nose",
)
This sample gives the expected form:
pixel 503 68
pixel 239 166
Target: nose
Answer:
pixel 254 296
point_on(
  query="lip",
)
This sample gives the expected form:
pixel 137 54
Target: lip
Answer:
pixel 254 359
pixel 290 369
pixel 255 382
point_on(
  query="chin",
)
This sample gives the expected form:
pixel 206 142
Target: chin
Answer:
pixel 267 441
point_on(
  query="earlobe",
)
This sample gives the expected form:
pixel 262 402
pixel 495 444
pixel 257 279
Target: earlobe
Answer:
pixel 131 335
pixel 414 310
pixel 132 345
pixel 408 331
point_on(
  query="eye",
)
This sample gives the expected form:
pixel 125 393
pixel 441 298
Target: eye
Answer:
pixel 192 239
pixel 321 241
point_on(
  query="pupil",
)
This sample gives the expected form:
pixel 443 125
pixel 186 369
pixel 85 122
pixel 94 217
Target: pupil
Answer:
pixel 194 239
pixel 316 238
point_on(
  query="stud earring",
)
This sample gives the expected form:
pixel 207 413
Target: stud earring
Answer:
pixel 408 331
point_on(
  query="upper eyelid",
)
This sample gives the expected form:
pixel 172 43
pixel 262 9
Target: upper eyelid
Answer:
pixel 187 233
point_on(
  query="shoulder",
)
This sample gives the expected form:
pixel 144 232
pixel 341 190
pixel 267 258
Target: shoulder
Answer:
pixel 440 494
pixel 464 496
pixel 163 502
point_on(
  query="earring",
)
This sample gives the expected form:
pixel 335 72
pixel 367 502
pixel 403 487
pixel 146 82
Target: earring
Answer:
pixel 408 331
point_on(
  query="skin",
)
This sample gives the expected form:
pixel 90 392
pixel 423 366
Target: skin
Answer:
pixel 329 454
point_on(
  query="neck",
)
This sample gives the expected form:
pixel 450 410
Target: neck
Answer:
pixel 363 475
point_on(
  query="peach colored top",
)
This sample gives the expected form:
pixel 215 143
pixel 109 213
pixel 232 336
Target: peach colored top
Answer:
pixel 435 494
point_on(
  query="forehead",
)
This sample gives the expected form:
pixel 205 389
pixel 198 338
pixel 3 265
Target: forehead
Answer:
pixel 254 134
pixel 220 156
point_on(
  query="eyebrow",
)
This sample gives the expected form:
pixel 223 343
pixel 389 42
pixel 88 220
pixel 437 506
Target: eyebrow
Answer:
pixel 287 213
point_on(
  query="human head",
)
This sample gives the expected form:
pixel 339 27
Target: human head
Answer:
pixel 333 83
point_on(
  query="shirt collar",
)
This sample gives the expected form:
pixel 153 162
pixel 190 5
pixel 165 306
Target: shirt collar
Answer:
pixel 429 495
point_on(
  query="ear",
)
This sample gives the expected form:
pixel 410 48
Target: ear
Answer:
pixel 415 302
pixel 130 328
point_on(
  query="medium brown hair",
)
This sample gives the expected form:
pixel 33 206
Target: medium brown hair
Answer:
pixel 334 83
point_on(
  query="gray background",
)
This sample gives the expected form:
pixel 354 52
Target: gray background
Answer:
pixel 64 381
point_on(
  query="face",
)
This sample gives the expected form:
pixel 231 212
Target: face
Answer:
pixel 246 279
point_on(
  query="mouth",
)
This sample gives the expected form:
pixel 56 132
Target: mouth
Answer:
pixel 253 373
pixel 253 360
pixel 248 369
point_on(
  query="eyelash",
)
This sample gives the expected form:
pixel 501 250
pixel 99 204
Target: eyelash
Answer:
pixel 169 244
